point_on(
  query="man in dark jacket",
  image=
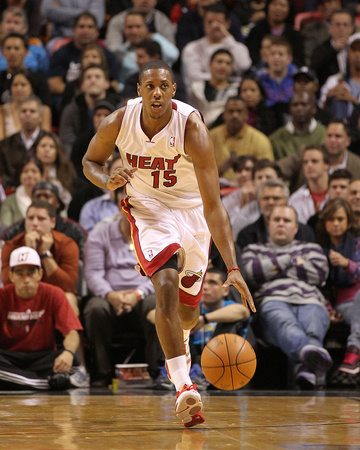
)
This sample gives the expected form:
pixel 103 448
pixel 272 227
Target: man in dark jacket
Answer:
pixel 271 193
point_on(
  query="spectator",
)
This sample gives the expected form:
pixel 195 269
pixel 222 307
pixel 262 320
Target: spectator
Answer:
pixel 149 50
pixel 102 108
pixel 84 190
pixel 315 33
pixel 339 237
pixel 286 276
pixel 30 311
pixel 235 138
pixel 196 54
pixel 252 91
pixel 354 199
pixel 210 96
pixel 92 54
pixel 63 14
pixel 190 27
pixel 277 79
pixel 339 184
pixel 14 19
pixel 102 207
pixel 59 254
pixel 271 193
pixel 341 92
pixel 247 211
pixel 14 49
pixel 329 58
pixel 301 129
pixel 135 31
pixel 15 205
pixel 339 187
pixel 66 61
pixel 48 192
pixel 14 148
pixel 311 197
pixel 121 299
pixel 264 52
pixel 279 22
pixel 249 12
pixel 77 115
pixel 58 169
pixel 156 21
pixel 33 16
pixel 21 88
pixel 337 140
pixel 242 167
pixel 305 78
pixel 218 315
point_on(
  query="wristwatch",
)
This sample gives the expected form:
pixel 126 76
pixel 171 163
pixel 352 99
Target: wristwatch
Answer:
pixel 47 254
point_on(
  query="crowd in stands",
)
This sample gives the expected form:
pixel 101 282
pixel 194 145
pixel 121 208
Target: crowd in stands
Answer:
pixel 278 86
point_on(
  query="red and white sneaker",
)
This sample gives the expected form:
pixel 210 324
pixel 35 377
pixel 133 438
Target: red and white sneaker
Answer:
pixel 188 357
pixel 188 406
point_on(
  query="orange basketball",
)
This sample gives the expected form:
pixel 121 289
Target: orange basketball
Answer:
pixel 228 361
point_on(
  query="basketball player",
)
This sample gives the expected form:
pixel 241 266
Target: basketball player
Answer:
pixel 173 201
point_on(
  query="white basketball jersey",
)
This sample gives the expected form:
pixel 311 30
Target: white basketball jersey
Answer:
pixel 164 172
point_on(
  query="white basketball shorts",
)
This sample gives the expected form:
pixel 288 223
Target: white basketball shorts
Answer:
pixel 158 232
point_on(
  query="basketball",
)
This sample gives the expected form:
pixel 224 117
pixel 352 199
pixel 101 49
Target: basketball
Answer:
pixel 228 361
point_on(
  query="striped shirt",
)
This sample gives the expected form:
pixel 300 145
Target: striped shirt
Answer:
pixel 273 274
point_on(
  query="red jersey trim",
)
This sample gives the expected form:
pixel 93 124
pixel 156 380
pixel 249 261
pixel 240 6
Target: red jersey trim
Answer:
pixel 148 267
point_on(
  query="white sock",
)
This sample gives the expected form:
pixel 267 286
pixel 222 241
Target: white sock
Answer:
pixel 178 371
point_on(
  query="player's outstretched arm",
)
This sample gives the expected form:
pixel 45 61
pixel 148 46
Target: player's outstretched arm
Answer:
pixel 100 149
pixel 199 146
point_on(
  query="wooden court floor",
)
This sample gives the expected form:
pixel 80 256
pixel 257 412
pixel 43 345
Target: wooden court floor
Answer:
pixel 137 419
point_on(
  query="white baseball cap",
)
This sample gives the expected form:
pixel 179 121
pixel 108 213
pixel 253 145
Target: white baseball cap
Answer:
pixel 353 38
pixel 24 255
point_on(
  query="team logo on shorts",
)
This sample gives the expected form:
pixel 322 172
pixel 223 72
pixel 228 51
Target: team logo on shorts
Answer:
pixel 172 141
pixel 191 278
pixel 150 255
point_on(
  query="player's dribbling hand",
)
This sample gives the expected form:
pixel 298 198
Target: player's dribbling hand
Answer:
pixel 119 177
pixel 235 278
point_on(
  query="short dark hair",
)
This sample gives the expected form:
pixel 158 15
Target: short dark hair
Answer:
pixel 152 48
pixel 341 11
pixel 263 163
pixel 20 36
pixel 219 271
pixel 283 42
pixel 87 15
pixel 43 205
pixel 30 157
pixel 218 8
pixel 319 148
pixel 94 66
pixel 342 122
pixel 155 65
pixel 240 162
pixel 221 51
pixel 133 12
pixel 340 174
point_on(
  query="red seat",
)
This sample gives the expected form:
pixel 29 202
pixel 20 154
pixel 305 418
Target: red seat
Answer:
pixel 304 17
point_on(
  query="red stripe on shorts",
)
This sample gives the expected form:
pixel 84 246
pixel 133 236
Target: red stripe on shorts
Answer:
pixel 149 267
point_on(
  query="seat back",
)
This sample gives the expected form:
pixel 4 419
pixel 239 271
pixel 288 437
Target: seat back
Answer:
pixel 304 17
